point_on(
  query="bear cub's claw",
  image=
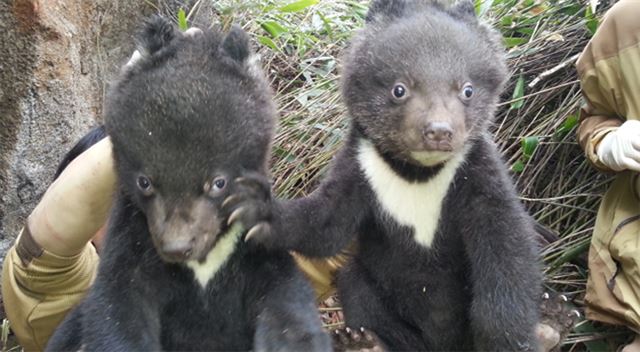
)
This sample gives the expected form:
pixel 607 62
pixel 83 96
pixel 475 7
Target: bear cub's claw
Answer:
pixel 348 340
pixel 558 317
pixel 250 204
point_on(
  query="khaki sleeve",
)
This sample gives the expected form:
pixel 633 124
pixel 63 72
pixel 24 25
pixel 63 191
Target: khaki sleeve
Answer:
pixel 609 77
pixel 591 130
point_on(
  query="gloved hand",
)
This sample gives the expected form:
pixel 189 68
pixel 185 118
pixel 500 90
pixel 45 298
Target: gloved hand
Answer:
pixel 620 149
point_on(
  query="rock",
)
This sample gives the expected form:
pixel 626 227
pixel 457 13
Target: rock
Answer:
pixel 57 58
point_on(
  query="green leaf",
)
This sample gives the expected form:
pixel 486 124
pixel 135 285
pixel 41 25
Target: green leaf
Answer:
pixel 482 6
pixel 266 41
pixel 297 6
pixel 518 166
pixel 182 20
pixel 526 31
pixel 301 48
pixel 510 42
pixel 5 331
pixel 570 254
pixel 506 21
pixel 529 145
pixel 361 12
pixel 273 28
pixel 518 93
pixel 327 25
pixel 569 123
pixel 571 10
pixel 592 21
pixel 592 25
pixel 586 327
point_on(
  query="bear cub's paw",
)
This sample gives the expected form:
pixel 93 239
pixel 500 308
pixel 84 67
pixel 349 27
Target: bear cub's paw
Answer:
pixel 557 319
pixel 349 340
pixel 250 203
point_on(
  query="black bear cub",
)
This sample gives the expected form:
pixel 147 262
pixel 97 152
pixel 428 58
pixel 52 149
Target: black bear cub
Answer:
pixel 445 257
pixel 190 120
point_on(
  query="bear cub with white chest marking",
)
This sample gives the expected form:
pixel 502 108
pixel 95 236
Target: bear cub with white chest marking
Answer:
pixel 191 119
pixel 445 256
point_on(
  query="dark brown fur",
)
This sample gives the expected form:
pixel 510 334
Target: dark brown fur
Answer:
pixel 193 110
pixel 475 286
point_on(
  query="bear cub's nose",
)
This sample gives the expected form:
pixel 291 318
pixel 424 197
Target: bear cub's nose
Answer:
pixel 177 250
pixel 437 135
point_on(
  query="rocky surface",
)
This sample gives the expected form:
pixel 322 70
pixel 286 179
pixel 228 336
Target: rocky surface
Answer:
pixel 56 59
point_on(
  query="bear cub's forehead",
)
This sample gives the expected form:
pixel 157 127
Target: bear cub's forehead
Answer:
pixel 425 44
pixel 187 108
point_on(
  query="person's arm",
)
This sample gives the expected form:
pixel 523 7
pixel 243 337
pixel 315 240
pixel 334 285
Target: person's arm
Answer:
pixel 609 80
pixel 77 204
pixel 609 142
pixel 592 129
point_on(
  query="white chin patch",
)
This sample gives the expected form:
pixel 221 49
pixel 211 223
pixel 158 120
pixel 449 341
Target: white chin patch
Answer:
pixel 413 204
pixel 134 58
pixel 431 158
pixel 216 258
pixel 193 31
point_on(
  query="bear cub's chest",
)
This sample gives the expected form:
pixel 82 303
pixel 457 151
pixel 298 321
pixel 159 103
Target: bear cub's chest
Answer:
pixel 416 205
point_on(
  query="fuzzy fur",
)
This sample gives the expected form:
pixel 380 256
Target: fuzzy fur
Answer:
pixel 445 258
pixel 190 108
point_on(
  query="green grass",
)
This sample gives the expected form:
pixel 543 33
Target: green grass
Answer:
pixel 7 342
pixel 300 52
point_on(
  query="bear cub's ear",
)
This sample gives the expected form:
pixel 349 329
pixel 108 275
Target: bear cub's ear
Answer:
pixel 379 9
pixel 157 32
pixel 464 10
pixel 236 44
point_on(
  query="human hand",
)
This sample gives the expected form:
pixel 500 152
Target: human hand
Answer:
pixel 620 149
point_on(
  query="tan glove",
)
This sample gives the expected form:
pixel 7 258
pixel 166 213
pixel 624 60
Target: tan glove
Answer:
pixel 77 204
pixel 620 149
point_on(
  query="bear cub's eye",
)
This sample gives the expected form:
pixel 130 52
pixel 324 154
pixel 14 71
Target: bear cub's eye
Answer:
pixel 144 184
pixel 219 183
pixel 215 187
pixel 467 91
pixel 399 91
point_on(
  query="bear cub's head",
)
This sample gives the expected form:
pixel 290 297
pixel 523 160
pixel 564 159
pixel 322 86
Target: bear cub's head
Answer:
pixel 189 114
pixel 422 79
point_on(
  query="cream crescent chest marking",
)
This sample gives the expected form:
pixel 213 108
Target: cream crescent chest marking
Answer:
pixel 216 258
pixel 413 204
